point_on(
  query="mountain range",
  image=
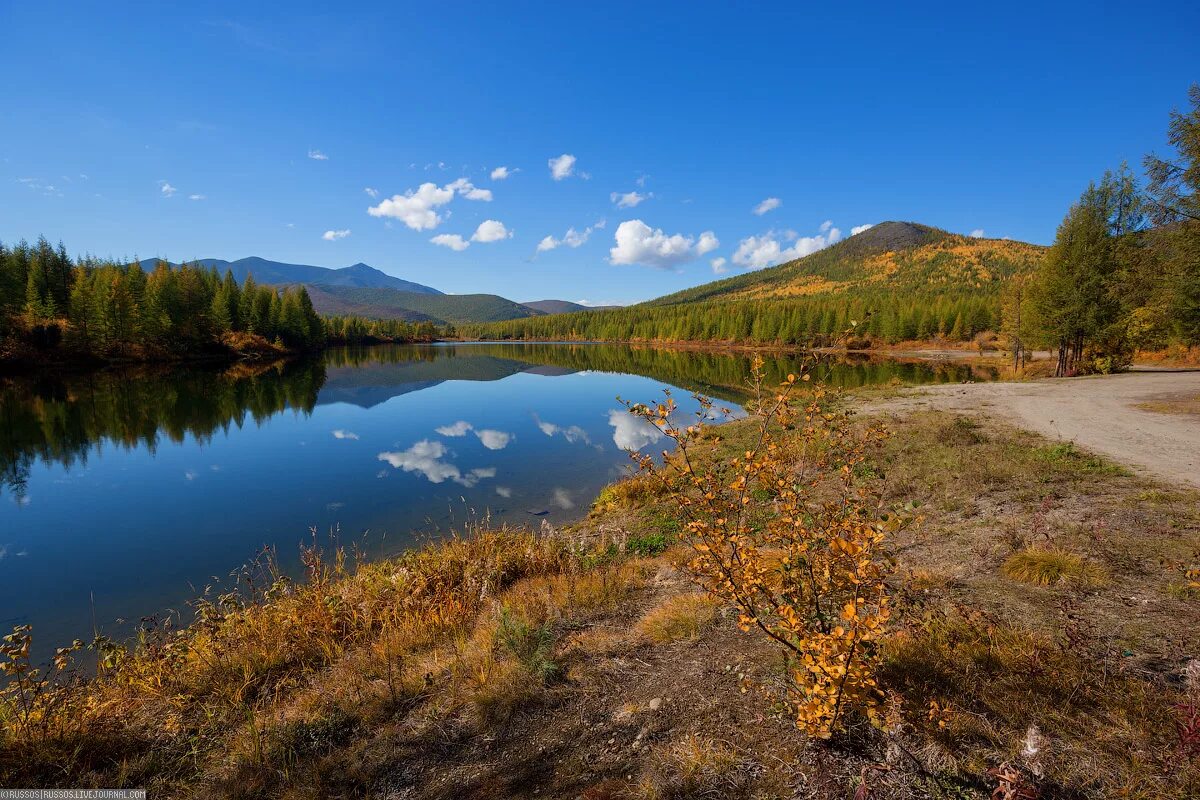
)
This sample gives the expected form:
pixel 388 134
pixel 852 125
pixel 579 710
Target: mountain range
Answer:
pixel 364 291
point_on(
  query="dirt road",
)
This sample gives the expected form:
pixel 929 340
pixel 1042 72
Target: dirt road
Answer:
pixel 1100 413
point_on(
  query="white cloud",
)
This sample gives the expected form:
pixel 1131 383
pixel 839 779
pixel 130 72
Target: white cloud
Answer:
pixel 344 434
pixel 197 197
pixel 459 428
pixel 562 498
pixel 333 236
pixel 770 204
pixel 629 199
pixel 190 475
pixel 417 208
pixel 562 167
pixel 425 458
pixel 504 491
pixel 164 187
pixel 718 266
pixel 491 230
pixel 451 240
pixel 470 191
pixel 494 440
pixel 638 243
pixel 573 434
pixel 977 233
pixel 503 173
pixel 372 193
pixel 857 229
pixel 756 252
pixel 572 238
pixel 631 432
pixel 317 155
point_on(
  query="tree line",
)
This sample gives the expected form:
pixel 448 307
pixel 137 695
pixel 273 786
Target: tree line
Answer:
pixel 53 305
pixel 1123 273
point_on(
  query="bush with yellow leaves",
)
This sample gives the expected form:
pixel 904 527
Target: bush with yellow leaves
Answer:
pixel 792 533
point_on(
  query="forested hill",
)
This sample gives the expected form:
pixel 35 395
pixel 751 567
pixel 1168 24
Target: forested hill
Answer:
pixel 896 256
pixel 896 280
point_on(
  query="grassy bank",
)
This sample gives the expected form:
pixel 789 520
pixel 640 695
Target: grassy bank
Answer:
pixel 1044 619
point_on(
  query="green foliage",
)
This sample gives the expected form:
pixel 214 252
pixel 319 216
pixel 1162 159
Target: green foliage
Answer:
pixel 530 644
pixel 102 310
pixel 896 282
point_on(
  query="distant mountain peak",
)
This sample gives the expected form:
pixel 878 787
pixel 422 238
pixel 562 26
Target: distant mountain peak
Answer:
pixel 265 271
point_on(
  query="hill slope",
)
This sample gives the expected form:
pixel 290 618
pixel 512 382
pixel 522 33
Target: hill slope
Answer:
pixel 896 281
pixel 561 306
pixel 278 273
pixel 415 306
pixel 896 256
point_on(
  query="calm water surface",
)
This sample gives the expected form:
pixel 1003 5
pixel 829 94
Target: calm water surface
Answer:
pixel 123 493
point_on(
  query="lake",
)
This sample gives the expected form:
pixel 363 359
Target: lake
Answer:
pixel 123 493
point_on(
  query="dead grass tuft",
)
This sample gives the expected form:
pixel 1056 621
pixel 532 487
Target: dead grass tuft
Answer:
pixel 1050 567
pixel 683 616
pixel 695 766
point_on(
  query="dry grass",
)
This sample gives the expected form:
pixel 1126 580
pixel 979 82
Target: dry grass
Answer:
pixel 1173 405
pixel 683 616
pixel 506 663
pixel 1043 567
pixel 695 766
pixel 1098 734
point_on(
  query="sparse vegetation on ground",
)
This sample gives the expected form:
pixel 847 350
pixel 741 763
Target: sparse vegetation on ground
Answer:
pixel 585 662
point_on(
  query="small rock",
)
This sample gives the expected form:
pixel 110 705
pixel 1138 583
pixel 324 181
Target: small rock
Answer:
pixel 656 704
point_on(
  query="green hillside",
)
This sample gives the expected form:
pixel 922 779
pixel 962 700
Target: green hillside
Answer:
pixel 393 304
pixel 895 281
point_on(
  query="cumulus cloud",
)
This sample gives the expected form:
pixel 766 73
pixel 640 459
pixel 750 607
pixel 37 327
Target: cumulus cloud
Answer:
pixel 333 236
pixel 470 191
pixel 197 197
pixel 426 458
pixel 857 229
pixel 344 434
pixel 638 243
pixel 562 167
pixel 629 199
pixel 572 434
pixel 317 155
pixel 451 240
pixel 718 265
pixel 756 252
pixel 770 204
pixel 631 432
pixel 572 238
pixel 418 208
pixel 503 173
pixel 371 192
pixel 494 440
pixel 977 233
pixel 167 189
pixel 459 428
pixel 491 230
pixel 562 498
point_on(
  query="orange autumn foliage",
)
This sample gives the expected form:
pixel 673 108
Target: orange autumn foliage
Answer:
pixel 805 563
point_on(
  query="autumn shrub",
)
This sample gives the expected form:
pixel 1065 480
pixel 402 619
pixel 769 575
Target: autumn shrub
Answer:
pixel 805 566
pixel 683 616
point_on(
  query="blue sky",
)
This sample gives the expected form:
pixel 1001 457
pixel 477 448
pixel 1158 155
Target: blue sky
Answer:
pixel 277 123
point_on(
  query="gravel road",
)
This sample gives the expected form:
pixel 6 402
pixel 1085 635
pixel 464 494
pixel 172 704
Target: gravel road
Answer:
pixel 1099 413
